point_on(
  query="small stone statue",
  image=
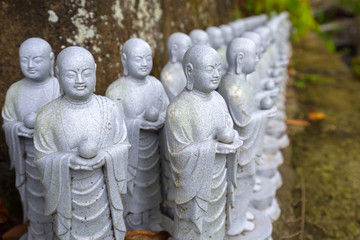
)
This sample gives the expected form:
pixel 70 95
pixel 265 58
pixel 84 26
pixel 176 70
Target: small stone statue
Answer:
pixel 199 37
pixel 174 81
pixel 23 101
pixel 82 153
pixel 217 42
pixel 200 136
pixel 143 100
pixel 227 33
pixel 237 92
pixel 172 76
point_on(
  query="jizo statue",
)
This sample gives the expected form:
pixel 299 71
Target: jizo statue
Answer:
pixel 23 101
pixel 199 37
pixel 174 81
pixel 143 100
pixel 200 137
pixel 172 76
pixel 82 152
pixel 250 124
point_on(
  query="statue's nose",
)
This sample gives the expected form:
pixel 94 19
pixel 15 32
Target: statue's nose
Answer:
pixel 216 73
pixel 144 63
pixel 30 63
pixel 79 78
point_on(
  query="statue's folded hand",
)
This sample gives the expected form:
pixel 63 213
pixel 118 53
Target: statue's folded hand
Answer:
pixel 224 148
pixel 148 125
pixel 25 132
pixel 79 163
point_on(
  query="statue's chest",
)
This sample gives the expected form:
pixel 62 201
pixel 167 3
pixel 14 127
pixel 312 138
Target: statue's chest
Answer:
pixel 139 99
pixel 81 124
pixel 208 118
pixel 33 99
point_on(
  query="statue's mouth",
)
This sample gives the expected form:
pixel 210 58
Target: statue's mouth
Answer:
pixel 32 71
pixel 80 87
pixel 144 69
pixel 215 80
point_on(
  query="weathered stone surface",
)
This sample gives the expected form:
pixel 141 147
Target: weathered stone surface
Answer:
pixel 101 27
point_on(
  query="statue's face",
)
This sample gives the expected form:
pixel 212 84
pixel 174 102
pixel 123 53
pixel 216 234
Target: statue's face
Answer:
pixel 250 59
pixel 35 62
pixel 139 61
pixel 206 73
pixel 77 75
pixel 216 39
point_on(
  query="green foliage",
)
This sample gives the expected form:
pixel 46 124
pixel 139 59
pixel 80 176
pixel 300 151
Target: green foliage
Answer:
pixel 304 79
pixel 300 12
pixel 354 5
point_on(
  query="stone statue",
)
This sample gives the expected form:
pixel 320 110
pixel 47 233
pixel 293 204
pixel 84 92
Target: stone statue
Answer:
pixel 200 137
pixel 199 37
pixel 217 42
pixel 82 153
pixel 23 101
pixel 227 33
pixel 249 123
pixel 174 81
pixel 143 100
pixel 172 76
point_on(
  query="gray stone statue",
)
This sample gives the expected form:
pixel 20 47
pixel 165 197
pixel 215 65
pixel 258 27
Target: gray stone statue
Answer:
pixel 217 42
pixel 199 37
pixel 227 33
pixel 200 137
pixel 23 101
pixel 143 100
pixel 250 124
pixel 82 153
pixel 172 75
pixel 174 81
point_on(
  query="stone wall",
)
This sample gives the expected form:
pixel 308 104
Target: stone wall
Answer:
pixel 102 27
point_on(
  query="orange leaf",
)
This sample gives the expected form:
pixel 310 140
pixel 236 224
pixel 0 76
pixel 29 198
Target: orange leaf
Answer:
pixel 316 116
pixel 297 122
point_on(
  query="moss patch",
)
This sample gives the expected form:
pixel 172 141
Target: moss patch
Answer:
pixel 324 157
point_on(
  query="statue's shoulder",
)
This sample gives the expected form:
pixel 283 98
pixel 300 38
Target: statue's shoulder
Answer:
pixel 16 86
pixel 114 87
pixel 180 105
pixel 51 109
pixel 154 80
pixel 219 98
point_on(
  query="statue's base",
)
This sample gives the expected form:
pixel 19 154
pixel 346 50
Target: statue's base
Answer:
pixel 262 231
pixel 265 201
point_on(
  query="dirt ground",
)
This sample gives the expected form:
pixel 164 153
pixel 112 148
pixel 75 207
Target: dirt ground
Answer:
pixel 320 198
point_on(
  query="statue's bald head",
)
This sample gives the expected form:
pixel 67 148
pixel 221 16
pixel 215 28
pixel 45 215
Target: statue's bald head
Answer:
pixel 72 55
pixel 136 57
pixel 202 62
pixel 177 44
pixel 241 55
pixel 215 37
pixel 255 37
pixel 199 37
pixel 37 45
pixel 36 59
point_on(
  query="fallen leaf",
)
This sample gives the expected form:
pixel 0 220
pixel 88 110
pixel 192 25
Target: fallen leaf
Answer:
pixel 316 116
pixel 146 235
pixel 297 122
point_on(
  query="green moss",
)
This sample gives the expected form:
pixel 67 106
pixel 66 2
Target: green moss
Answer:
pixel 326 154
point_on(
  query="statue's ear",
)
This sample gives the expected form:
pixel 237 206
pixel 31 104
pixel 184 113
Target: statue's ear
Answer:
pixel 58 77
pixel 95 77
pixel 188 73
pixel 173 50
pixel 239 61
pixel 123 60
pixel 52 60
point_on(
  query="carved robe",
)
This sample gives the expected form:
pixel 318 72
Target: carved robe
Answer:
pixel 198 172
pixel 21 99
pixel 250 124
pixel 84 204
pixel 173 79
pixel 136 98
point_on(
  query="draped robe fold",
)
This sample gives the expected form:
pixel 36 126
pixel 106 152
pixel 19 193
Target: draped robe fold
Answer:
pixel 53 156
pixel 198 172
pixel 250 124
pixel 21 99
